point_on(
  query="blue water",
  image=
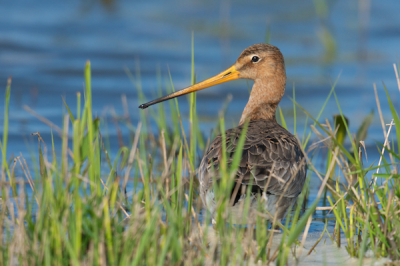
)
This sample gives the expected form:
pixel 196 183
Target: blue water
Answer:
pixel 44 45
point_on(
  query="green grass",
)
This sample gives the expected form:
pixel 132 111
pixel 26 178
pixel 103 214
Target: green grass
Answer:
pixel 366 211
pixel 142 206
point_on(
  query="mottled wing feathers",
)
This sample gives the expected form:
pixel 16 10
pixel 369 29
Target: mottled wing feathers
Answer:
pixel 271 159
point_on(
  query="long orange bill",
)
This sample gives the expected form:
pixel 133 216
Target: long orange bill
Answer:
pixel 229 74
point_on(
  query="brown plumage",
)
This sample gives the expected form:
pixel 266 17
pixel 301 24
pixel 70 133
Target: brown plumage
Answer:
pixel 272 160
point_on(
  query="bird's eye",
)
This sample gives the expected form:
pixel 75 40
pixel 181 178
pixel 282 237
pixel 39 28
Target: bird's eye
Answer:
pixel 255 59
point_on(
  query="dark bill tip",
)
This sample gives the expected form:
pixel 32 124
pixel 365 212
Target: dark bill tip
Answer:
pixel 143 106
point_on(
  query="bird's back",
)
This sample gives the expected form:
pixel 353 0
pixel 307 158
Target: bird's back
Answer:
pixel 272 161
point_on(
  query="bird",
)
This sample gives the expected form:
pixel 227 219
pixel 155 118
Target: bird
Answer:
pixel 272 166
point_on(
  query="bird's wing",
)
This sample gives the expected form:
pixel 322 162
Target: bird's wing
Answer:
pixel 271 158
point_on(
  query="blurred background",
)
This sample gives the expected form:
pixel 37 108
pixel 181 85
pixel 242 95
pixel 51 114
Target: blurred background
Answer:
pixel 44 45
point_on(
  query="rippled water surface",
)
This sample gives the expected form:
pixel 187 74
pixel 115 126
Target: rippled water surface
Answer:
pixel 44 46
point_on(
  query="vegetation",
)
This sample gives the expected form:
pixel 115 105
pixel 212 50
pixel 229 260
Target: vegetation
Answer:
pixel 81 207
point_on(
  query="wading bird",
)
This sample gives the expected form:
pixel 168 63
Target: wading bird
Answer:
pixel 272 162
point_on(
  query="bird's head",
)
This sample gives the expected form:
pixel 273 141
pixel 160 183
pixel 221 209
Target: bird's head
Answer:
pixel 257 62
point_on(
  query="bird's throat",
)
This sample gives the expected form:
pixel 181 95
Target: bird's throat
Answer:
pixel 263 101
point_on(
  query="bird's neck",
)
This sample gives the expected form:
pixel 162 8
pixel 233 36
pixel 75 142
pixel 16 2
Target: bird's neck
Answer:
pixel 264 99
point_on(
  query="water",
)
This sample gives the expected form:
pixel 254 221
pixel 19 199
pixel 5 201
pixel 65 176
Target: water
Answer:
pixel 44 46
